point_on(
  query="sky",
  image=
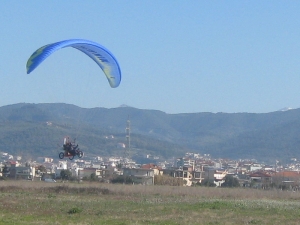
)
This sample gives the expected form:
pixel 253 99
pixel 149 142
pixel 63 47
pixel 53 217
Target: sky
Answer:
pixel 175 56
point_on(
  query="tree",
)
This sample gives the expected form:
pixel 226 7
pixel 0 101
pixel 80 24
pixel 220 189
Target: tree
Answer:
pixel 42 168
pixel 207 183
pixel 93 177
pixel 122 180
pixel 230 181
pixel 65 174
pixel 119 165
pixel 5 170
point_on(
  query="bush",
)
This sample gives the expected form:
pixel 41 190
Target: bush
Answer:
pixel 122 180
pixel 230 181
pixel 3 178
pixel 167 180
pixel 75 210
pixel 207 183
pixel 65 174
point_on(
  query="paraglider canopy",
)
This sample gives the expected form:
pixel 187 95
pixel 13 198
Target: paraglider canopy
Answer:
pixel 102 56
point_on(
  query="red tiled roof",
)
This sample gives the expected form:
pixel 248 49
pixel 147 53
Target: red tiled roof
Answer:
pixel 150 166
pixel 259 174
pixel 288 174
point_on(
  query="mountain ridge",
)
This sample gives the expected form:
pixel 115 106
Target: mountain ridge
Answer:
pixel 268 136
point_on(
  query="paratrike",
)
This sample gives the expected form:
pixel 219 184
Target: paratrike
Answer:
pixel 70 150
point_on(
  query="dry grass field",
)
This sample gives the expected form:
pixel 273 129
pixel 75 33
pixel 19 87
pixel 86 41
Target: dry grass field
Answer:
pixel 25 202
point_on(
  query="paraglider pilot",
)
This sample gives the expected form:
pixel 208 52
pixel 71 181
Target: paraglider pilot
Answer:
pixel 69 147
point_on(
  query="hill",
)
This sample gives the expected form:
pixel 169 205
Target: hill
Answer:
pixel 38 129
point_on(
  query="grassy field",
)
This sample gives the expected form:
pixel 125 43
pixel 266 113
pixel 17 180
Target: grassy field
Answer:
pixel 25 202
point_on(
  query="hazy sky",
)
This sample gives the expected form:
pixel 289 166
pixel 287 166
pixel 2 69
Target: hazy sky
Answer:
pixel 175 56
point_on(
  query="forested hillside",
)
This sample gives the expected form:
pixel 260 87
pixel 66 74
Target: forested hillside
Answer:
pixel 38 130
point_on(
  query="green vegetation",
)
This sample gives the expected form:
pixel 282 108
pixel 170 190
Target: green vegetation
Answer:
pixel 231 181
pixel 122 180
pixel 167 180
pixel 207 183
pixel 94 203
pixel 26 131
pixel 38 129
pixel 65 174
pixel 75 210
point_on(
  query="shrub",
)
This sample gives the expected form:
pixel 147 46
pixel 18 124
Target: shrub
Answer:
pixel 230 181
pixel 65 174
pixel 122 180
pixel 207 183
pixel 75 210
pixel 168 180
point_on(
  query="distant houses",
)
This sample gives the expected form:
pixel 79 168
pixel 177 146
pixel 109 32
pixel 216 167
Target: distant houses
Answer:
pixel 190 170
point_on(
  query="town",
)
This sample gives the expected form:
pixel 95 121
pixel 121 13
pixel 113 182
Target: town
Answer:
pixel 190 170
